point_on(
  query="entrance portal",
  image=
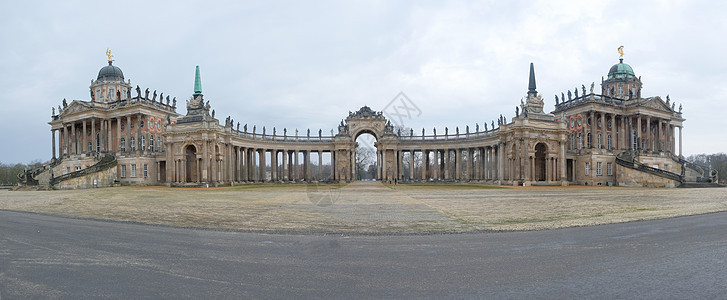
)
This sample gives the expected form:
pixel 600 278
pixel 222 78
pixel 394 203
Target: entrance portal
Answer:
pixel 366 162
pixel 191 162
pixel 540 150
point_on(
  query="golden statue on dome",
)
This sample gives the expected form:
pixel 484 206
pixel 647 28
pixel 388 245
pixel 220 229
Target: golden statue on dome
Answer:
pixel 108 53
pixel 621 51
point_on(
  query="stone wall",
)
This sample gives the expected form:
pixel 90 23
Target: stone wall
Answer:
pixel 104 178
pixel 635 178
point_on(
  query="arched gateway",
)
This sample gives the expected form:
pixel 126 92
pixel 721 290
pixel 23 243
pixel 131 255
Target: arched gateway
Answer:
pixel 153 144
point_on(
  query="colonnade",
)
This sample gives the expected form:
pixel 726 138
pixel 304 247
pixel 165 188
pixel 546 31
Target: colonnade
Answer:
pixel 626 132
pixel 448 164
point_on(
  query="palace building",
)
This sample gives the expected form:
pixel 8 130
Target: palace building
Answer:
pixel 612 136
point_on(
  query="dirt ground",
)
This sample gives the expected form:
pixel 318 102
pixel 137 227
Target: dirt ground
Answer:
pixel 370 207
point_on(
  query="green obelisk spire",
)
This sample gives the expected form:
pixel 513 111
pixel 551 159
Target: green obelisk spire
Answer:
pixel 197 83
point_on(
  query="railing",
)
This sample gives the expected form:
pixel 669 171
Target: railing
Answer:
pixel 107 162
pixel 626 159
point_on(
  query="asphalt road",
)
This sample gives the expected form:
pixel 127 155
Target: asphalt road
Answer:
pixel 50 257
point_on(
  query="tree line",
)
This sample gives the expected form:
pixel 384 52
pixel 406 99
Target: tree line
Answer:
pixel 9 172
pixel 717 161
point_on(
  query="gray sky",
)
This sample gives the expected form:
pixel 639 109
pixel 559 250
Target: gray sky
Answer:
pixel 306 64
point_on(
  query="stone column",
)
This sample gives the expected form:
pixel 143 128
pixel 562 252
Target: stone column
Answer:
pixel 74 139
pixel 296 172
pixel 411 165
pixel 263 165
pixel 64 141
pixel 84 138
pixel 680 143
pixel 593 130
pixel 500 154
pixel 384 172
pixel 458 164
pixel 286 163
pixel 425 164
pixel 604 139
pixel 320 165
pixel 53 138
pixel 435 165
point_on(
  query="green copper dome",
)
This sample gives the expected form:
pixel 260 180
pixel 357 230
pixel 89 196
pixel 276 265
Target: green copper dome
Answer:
pixel 621 70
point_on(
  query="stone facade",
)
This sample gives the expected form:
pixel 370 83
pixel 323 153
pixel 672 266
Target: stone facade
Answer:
pixel 578 143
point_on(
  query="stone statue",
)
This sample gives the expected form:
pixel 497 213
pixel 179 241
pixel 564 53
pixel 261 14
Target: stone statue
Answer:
pixel 65 103
pixel 263 130
pixel 477 127
pixel 285 131
pixel 93 98
pixel 154 96
pixel 680 108
pixel 296 132
pixel 146 94
pixel 435 131
pixel 486 127
pixel 320 133
pixel 556 99
pixel 562 97
pixel 576 92
pixel 667 99
pixel 569 95
pixel 308 133
pixel 207 106
pixel 245 128
pixel 138 91
pixel 672 106
pixel 468 129
pixel 517 111
pixel 525 112
pixel 54 110
pixel 275 131
pixel 59 109
pixel 174 102
pixel 411 131
pixel 592 84
pixel 422 131
pixel 238 126
pixel 493 125
pixel 128 94
pixel 161 98
pixel 446 131
pixel 118 95
pixel 398 132
pixel 167 100
pixel 584 89
pixel 213 113
pixel 331 132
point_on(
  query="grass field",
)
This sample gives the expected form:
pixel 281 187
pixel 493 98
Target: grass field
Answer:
pixel 370 207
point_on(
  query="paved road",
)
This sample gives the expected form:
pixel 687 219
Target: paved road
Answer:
pixel 51 257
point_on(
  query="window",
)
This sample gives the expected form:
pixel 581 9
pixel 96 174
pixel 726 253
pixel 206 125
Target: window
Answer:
pixel 68 169
pixel 90 146
pixel 123 145
pixel 151 143
pixel 610 142
pixel 112 93
pixel 143 145
pixel 634 144
pixel 123 171
pixel 588 137
pixel 620 90
pixel 609 169
pixel 600 144
pixel 580 141
pixel 131 125
pixel 133 144
pixel 98 142
pixel 599 171
pixel 133 170
pixel 588 168
pixel 146 171
pixel 141 124
pixel 572 141
pixel 122 126
pixel 159 144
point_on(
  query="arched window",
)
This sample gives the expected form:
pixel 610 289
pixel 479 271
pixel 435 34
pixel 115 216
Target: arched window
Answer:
pixel 123 145
pixel 600 145
pixel 588 140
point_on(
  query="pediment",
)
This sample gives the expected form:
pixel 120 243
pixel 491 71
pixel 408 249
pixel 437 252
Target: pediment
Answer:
pixel 656 103
pixel 73 108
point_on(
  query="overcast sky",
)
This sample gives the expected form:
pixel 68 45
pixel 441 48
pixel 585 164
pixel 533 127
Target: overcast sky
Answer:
pixel 306 64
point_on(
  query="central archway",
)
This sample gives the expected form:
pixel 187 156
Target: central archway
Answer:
pixel 365 156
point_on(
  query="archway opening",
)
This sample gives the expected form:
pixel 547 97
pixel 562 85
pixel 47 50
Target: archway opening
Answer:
pixel 540 150
pixel 191 162
pixel 366 157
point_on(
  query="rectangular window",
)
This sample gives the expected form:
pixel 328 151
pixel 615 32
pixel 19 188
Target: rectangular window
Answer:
pixel 151 143
pixel 609 169
pixel 634 144
pixel 143 144
pixel 610 142
pixel 123 145
pixel 159 144
pixel 580 141
pixel 123 171
pixel 133 144
pixel 68 169
pixel 600 144
pixel 599 171
pixel 133 170
pixel 588 169
pixel 146 171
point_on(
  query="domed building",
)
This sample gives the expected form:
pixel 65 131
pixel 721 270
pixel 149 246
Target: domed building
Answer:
pixel 615 137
